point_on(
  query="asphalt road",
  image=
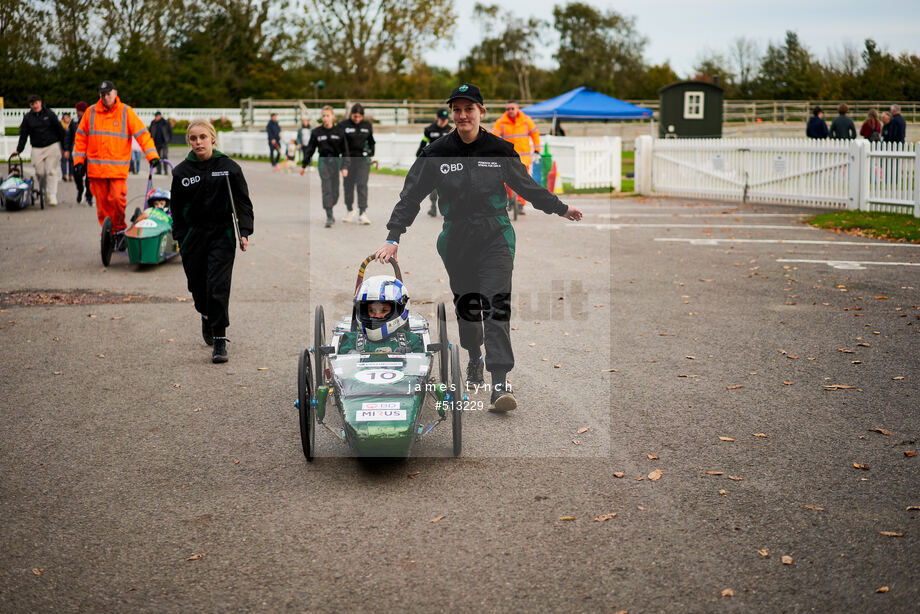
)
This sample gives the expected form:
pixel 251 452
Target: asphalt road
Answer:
pixel 124 452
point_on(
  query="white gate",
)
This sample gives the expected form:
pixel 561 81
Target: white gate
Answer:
pixel 851 174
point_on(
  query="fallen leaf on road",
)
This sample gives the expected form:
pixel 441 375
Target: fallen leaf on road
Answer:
pixel 690 357
pixel 181 299
pixel 584 429
pixel 792 356
pixel 763 552
pixel 567 518
pixel 721 438
pixel 786 559
pixel 413 474
pixel 760 434
pixel 118 317
pixel 437 519
pixel 36 571
pixel 898 378
pixel 557 366
pixel 839 387
pixel 609 371
pixel 727 593
pixel 640 508
pixel 813 507
pixel 639 479
pixel 195 557
pixel 787 383
pixel 651 457
pixel 845 351
pixel 909 453
pixel 885 432
pixel 913 508
pixel 236 461
pixel 682 375
pixel 59 373
pixel 655 475
pixel 891 533
pixel 618 474
pixel 576 442
pixel 735 387
pixel 882 589
pixel 707 280
pixel 531 344
pixel 863 467
pixel 736 478
pixel 262 369
pixel 197 409
pixel 713 473
pixel 881 298
pixel 605 517
pixel 100 355
pixel 722 492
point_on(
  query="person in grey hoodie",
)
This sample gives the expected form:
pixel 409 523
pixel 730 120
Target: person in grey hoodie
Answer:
pixel 843 127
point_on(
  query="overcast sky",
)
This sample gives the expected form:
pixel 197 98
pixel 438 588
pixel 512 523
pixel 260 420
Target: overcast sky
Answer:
pixel 680 30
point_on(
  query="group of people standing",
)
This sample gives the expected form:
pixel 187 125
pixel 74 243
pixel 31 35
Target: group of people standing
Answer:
pixel 890 127
pixel 344 149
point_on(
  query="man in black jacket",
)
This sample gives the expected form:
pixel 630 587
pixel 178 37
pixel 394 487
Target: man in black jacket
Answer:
pixel 360 136
pixel 79 172
pixel 433 132
pixel 273 128
pixel 161 132
pixel 897 129
pixel 43 128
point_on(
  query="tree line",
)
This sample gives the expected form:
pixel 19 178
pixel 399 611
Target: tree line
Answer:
pixel 188 53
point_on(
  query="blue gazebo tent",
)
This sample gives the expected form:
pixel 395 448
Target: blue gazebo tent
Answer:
pixel 583 103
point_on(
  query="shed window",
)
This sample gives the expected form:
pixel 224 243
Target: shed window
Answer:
pixel 693 105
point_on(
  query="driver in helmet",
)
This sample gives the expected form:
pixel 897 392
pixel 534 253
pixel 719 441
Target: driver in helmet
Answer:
pixel 381 312
pixel 159 198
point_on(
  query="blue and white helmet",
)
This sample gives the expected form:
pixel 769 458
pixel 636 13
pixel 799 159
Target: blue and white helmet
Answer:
pixel 386 289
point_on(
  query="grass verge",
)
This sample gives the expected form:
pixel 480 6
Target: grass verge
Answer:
pixel 891 226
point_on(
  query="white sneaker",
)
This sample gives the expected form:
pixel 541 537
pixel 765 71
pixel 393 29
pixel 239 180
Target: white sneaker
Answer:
pixel 52 203
pixel 349 217
pixel 364 219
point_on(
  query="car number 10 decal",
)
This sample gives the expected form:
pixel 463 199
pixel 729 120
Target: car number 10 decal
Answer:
pixel 379 376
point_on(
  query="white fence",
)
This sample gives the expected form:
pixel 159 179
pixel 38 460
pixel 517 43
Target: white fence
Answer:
pixel 13 117
pixel 584 162
pixel 843 174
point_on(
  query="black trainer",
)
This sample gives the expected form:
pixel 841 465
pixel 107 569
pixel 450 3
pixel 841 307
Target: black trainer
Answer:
pixel 502 398
pixel 206 331
pixel 474 372
pixel 329 219
pixel 433 211
pixel 220 350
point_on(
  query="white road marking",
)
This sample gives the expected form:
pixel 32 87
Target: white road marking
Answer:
pixel 619 215
pixel 848 264
pixel 739 226
pixel 796 241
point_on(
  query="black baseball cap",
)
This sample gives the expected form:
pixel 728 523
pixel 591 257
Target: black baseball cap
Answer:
pixel 442 113
pixel 467 91
pixel 106 86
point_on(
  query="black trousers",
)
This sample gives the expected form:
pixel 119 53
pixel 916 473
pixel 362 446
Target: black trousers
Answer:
pixel 163 153
pixel 207 257
pixel 358 173
pixel 274 154
pixel 479 257
pixel 329 181
pixel 82 182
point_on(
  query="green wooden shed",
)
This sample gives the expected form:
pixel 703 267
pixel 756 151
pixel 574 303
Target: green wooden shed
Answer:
pixel 690 109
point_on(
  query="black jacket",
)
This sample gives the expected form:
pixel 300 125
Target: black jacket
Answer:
pixel 843 128
pixel 70 134
pixel 897 129
pixel 432 133
pixel 161 132
pixel 43 128
pixel 273 129
pixel 470 180
pixel 330 142
pixel 199 195
pixel 817 128
pixel 360 138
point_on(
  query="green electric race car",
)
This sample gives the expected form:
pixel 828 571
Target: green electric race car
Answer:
pixel 379 381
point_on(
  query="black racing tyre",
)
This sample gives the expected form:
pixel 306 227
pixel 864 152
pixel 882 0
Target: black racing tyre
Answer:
pixel 442 339
pixel 41 198
pixel 456 411
pixel 107 241
pixel 319 340
pixel 305 405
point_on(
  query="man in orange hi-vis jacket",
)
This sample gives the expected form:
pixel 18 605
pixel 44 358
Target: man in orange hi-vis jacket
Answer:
pixel 103 144
pixel 519 130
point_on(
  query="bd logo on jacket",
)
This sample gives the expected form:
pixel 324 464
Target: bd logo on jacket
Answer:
pixel 447 168
pixel 187 181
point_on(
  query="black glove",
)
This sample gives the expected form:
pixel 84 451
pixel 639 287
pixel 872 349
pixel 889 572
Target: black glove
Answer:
pixel 78 168
pixel 155 162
